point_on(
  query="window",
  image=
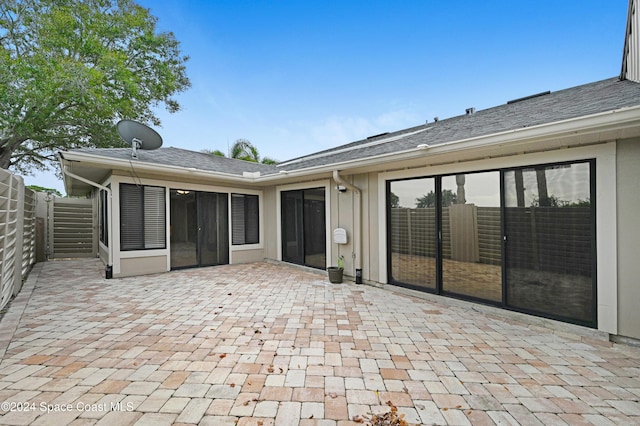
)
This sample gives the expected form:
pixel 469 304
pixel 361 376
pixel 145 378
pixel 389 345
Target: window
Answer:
pixel 142 217
pixel 245 219
pixel 104 217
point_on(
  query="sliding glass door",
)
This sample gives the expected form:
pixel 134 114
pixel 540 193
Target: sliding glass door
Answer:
pixel 304 227
pixel 550 241
pixel 199 229
pixel 412 232
pixel 521 238
pixel 471 237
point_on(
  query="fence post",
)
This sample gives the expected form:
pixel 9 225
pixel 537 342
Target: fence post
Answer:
pixel 49 227
pixel 17 273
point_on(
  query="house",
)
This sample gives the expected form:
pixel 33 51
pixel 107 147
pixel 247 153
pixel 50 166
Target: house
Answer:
pixel 530 206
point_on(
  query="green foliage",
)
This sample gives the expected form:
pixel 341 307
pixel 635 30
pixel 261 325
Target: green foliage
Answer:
pixel 37 188
pixel 70 69
pixel 395 200
pixel 341 262
pixel 214 152
pixel 243 149
pixel 429 200
pixel 553 201
pixel 268 160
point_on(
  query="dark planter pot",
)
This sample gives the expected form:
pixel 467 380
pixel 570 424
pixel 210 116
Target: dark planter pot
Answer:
pixel 335 274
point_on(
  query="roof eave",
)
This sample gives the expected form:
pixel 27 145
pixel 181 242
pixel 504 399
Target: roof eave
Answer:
pixel 515 139
pixel 598 126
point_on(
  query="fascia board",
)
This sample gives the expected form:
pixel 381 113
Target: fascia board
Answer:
pixel 611 120
pixel 115 163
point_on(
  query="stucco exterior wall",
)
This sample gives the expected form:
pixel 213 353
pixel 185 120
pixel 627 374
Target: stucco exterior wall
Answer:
pixel 628 233
pixel 103 253
pixel 142 266
pixel 247 256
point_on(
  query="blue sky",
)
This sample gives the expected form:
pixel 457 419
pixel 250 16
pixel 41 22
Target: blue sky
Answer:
pixel 298 77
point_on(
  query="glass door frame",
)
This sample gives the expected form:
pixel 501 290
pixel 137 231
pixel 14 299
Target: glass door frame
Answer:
pixel 200 214
pixel 503 303
pixel 300 228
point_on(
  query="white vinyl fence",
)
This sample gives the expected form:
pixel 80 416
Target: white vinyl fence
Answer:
pixel 17 234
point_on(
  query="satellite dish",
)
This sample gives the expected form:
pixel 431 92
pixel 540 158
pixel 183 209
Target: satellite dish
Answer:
pixel 139 136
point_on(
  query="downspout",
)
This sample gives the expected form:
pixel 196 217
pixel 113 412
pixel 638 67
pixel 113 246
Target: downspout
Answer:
pixel 108 269
pixel 357 226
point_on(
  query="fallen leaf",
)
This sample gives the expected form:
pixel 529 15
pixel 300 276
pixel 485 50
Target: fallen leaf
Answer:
pixel 245 403
pixel 311 416
pixel 333 395
pixel 223 355
pixel 358 419
pixel 445 409
pixel 458 407
pixel 281 370
pixel 233 385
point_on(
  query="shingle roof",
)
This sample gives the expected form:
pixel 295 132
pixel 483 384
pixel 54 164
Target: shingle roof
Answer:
pixel 601 96
pixel 184 158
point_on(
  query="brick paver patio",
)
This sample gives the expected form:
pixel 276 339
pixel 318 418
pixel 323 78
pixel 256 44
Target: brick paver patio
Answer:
pixel 263 344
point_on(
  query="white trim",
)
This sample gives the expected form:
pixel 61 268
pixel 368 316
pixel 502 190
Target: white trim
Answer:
pixel 606 246
pixel 582 130
pixel 326 183
pixel 114 227
pixel 354 147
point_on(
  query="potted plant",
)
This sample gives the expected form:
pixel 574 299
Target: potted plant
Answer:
pixel 335 272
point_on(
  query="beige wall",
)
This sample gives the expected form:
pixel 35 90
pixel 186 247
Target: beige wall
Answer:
pixel 142 266
pixel 247 256
pixel 103 253
pixel 270 223
pixel 342 216
pixel 628 195
pixel 605 156
pixel 372 227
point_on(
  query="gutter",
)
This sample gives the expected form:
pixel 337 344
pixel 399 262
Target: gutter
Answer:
pixel 109 267
pixel 620 119
pixel 617 119
pixel 357 225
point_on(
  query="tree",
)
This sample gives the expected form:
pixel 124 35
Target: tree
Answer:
pixel 243 149
pixel 395 200
pixel 214 152
pixel 37 188
pixel 70 69
pixel 429 200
